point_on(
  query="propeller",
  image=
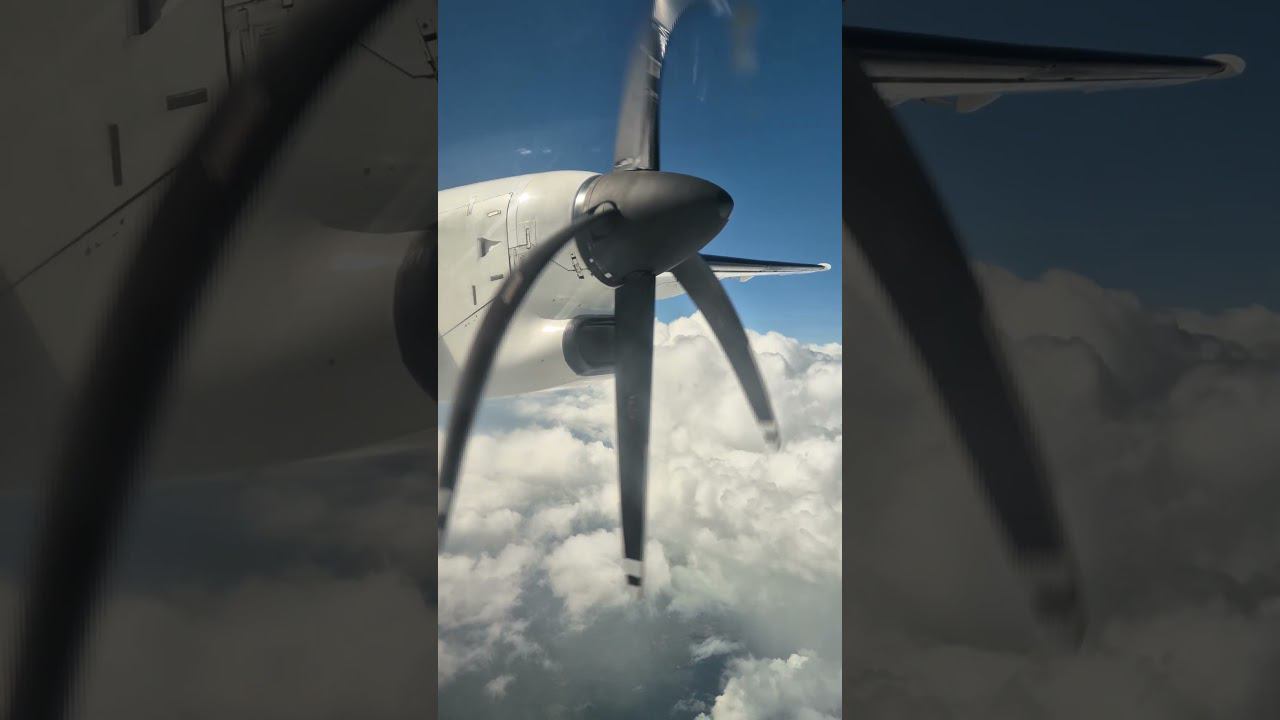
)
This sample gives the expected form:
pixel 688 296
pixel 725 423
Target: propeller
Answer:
pixel 898 223
pixel 636 223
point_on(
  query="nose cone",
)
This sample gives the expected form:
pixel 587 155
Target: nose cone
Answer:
pixel 663 219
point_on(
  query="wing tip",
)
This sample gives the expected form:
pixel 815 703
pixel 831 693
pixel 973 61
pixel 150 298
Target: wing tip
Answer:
pixel 724 263
pixel 1232 65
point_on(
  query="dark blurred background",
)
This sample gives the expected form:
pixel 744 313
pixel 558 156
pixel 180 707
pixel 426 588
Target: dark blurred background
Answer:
pixel 1126 245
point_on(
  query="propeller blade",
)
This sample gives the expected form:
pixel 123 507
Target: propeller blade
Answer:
pixel 636 146
pixel 485 348
pixel 700 281
pixel 898 222
pixel 633 378
pixel 744 26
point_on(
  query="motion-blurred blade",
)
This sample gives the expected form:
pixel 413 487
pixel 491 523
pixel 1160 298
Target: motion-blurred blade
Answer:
pixel 700 281
pixel 745 25
pixel 485 348
pixel 633 377
pixel 636 146
pixel 896 219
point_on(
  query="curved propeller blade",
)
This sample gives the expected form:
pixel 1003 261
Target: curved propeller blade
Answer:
pixel 898 222
pixel 633 380
pixel 636 146
pixel 484 349
pixel 704 288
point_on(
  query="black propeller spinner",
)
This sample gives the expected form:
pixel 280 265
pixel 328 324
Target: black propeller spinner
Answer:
pixel 636 223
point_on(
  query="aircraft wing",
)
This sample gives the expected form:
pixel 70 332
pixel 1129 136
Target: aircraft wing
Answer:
pixel 971 74
pixel 744 270
pixel 740 268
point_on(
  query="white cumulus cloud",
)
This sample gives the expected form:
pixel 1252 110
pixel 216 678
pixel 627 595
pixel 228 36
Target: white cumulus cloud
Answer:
pixel 738 537
pixel 800 687
pixel 497 687
pixel 713 646
pixel 1159 431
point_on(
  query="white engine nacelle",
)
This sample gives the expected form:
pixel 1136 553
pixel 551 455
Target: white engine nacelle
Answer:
pixel 563 331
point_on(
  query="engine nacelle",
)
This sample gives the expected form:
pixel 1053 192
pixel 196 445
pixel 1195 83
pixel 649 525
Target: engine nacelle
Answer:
pixel 538 354
pixel 564 329
pixel 588 345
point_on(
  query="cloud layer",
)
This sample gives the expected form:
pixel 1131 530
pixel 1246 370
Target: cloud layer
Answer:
pixel 799 687
pixel 743 556
pixel 302 593
pixel 1157 425
pixel 1159 429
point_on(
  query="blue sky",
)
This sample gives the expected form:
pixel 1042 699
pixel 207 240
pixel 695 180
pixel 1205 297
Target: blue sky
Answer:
pixel 1169 192
pixel 547 76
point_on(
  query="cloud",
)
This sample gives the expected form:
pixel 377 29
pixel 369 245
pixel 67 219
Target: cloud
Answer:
pixel 212 610
pixel 497 687
pixel 302 593
pixel 741 542
pixel 483 594
pixel 584 573
pixel 799 686
pixel 711 647
pixel 298 646
pixel 1158 426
